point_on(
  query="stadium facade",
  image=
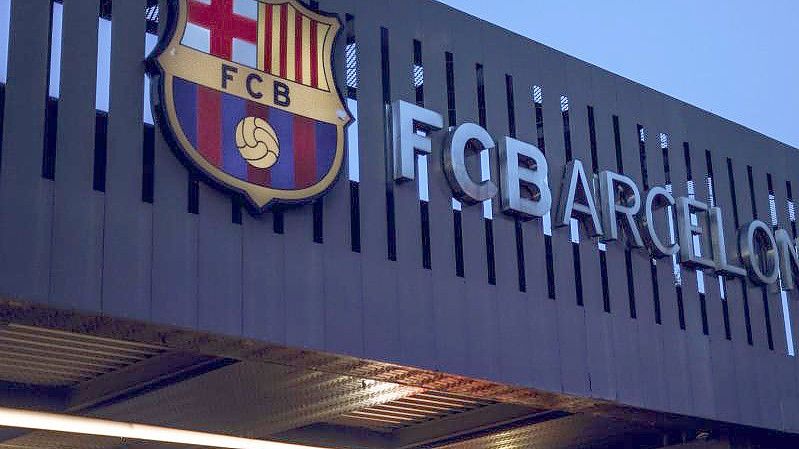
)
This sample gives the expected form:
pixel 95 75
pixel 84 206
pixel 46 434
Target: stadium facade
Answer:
pixel 376 224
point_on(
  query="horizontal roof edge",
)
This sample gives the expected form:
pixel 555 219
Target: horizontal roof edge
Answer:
pixel 498 28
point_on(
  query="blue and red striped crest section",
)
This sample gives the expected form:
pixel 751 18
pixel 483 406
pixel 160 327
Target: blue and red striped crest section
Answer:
pixel 209 118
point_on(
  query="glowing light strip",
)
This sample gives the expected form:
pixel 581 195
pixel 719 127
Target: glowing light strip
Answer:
pixel 28 419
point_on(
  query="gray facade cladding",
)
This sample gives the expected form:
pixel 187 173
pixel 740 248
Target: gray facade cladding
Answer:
pixel 98 215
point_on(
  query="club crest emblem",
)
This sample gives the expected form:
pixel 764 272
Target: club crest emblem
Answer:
pixel 245 90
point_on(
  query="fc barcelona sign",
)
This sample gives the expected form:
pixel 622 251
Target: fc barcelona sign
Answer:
pixel 246 91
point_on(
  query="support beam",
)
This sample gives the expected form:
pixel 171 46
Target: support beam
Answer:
pixel 142 377
pixel 49 399
pixel 340 437
pixel 462 424
pixel 702 445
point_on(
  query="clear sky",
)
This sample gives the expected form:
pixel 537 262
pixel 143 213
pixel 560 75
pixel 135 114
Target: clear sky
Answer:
pixel 736 58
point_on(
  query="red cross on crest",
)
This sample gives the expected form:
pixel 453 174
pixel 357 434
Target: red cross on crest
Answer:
pixel 224 25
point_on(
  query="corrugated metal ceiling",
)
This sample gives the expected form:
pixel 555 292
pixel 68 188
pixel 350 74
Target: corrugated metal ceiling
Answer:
pixel 410 410
pixel 35 355
pixel 259 399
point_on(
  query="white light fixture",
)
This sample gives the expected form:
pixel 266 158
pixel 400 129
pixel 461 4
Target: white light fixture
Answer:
pixel 27 419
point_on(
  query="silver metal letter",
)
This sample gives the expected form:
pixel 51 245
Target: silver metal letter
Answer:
pixel 619 197
pixel 408 119
pixel 578 201
pixel 789 258
pixel 467 137
pixel 751 240
pixel 686 208
pixel 761 272
pixel 723 265
pixel 523 166
pixel 657 198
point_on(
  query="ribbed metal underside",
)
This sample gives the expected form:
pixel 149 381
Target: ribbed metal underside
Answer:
pixel 576 431
pixel 241 398
pixel 35 355
pixel 410 410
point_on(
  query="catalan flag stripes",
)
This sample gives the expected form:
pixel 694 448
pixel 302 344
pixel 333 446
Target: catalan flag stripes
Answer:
pixel 291 45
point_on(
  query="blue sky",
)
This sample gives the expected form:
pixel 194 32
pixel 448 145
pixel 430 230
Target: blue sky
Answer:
pixel 727 56
pixel 736 58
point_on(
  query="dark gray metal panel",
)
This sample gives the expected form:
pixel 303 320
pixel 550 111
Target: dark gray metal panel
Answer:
pixel 791 395
pixel 710 385
pixel 448 290
pixel 784 390
pixel 598 339
pixel 760 180
pixel 174 299
pixel 402 32
pixel 678 134
pixel 263 282
pixel 723 197
pixel 770 365
pixel 746 356
pixel 506 292
pixel 600 352
pixel 579 90
pixel 343 306
pixel 541 310
pixel 219 249
pixel 629 104
pixel 604 108
pixel 650 340
pixel 625 341
pixel 677 370
pixel 305 307
pixel 511 303
pixel 628 111
pixel 174 235
pixel 304 259
pixel 720 357
pixel 570 317
pixel 756 311
pixel 342 267
pixel 702 141
pixel 747 380
pixel 575 84
pixel 414 285
pixel 127 235
pixel 789 398
pixel 652 118
pixel 740 348
pixel 25 197
pixel 477 302
pixel 656 355
pixel 219 263
pixel 305 315
pixel 524 74
pixel 698 343
pixel 551 76
pixel 599 323
pixel 77 210
pixel 379 275
pixel 724 382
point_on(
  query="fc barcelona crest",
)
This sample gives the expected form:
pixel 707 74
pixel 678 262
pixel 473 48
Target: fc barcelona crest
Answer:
pixel 246 91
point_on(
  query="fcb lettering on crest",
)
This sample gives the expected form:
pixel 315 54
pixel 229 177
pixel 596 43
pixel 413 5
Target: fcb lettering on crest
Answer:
pixel 247 94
